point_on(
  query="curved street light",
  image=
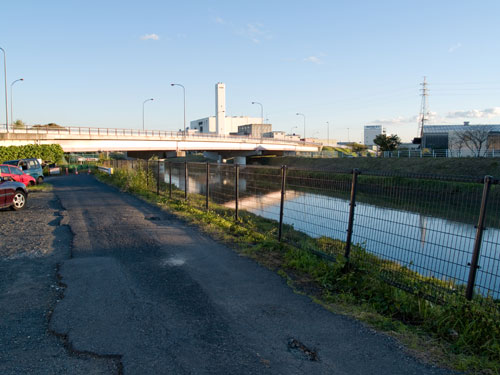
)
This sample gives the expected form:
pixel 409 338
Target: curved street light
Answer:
pixel 261 110
pixel 144 102
pixel 11 115
pixel 301 114
pixel 6 104
pixel 184 92
pixel 293 127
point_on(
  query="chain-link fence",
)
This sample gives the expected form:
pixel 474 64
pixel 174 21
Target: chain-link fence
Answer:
pixel 430 235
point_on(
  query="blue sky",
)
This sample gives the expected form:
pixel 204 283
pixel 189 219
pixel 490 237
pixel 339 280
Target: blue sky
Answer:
pixel 352 63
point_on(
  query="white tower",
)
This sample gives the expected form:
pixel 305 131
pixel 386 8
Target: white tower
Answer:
pixel 220 108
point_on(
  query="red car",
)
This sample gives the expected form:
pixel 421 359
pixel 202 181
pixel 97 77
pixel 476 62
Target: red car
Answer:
pixel 16 174
pixel 12 194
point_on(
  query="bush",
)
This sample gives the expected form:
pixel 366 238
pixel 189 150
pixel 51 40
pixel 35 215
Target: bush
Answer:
pixel 51 153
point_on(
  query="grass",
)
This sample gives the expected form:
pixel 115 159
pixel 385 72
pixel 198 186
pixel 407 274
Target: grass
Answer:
pixel 43 187
pixel 457 333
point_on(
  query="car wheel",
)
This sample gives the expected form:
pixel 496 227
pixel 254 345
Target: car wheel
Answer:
pixel 39 180
pixel 19 200
pixel 31 183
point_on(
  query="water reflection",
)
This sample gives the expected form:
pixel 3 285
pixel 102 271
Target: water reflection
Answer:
pixel 429 245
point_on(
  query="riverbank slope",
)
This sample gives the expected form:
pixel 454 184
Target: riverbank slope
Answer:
pixel 441 166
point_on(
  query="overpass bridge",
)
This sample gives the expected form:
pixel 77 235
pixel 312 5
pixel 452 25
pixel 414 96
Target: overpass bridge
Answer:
pixel 88 139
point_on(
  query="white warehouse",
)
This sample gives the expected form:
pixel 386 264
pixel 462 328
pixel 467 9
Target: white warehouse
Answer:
pixel 220 123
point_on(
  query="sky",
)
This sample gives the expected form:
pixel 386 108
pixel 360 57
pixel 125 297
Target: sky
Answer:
pixel 348 63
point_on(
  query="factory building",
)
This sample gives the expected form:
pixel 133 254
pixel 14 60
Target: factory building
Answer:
pixel 221 124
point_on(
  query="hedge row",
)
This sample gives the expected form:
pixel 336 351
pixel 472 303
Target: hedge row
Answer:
pixel 50 153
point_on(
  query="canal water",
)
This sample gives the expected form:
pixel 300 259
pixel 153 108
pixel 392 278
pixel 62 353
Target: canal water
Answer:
pixel 430 245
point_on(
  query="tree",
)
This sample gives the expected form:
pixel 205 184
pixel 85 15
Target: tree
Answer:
pixel 358 147
pixel 18 124
pixel 387 143
pixel 475 138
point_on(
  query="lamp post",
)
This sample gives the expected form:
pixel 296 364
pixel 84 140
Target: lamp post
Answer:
pixel 301 114
pixel 328 133
pixel 261 110
pixel 184 92
pixel 11 115
pixel 6 104
pixel 293 127
pixel 144 102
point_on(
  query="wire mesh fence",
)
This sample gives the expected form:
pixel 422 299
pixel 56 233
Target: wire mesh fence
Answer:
pixel 420 233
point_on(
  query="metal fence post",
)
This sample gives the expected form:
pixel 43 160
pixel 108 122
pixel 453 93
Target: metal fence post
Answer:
pixel 185 180
pixel 479 237
pixel 282 202
pixel 158 178
pixel 352 204
pixel 170 179
pixel 207 186
pixel 236 189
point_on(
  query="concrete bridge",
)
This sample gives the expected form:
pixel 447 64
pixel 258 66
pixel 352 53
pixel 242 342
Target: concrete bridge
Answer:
pixel 141 143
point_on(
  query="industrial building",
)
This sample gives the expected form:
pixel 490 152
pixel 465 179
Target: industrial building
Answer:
pixel 370 133
pixel 254 130
pixel 451 137
pixel 221 124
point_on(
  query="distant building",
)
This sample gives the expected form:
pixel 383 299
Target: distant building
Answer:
pixel 220 123
pixel 277 134
pixel 441 137
pixel 254 130
pixel 371 131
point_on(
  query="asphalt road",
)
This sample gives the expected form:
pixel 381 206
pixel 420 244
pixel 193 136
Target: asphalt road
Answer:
pixel 142 293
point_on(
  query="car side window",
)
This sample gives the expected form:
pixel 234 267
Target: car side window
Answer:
pixel 32 164
pixel 15 170
pixel 23 165
pixel 4 169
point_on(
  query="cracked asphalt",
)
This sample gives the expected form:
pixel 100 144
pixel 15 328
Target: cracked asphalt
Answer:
pixel 141 296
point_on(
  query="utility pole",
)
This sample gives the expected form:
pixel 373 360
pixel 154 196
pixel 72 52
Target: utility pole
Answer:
pixel 424 114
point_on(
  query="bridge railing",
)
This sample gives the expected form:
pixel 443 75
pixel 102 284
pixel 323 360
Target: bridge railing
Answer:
pixel 122 132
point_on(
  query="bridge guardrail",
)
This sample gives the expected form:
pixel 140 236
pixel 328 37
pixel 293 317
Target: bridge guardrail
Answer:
pixel 121 132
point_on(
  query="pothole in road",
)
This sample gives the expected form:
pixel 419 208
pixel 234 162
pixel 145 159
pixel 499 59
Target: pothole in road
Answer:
pixel 152 218
pixel 296 346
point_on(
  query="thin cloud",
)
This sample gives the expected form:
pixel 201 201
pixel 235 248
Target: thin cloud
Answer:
pixel 314 60
pixel 255 32
pixel 475 113
pixel 219 20
pixel 150 37
pixel 454 47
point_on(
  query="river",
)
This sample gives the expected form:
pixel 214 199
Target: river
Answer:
pixel 430 245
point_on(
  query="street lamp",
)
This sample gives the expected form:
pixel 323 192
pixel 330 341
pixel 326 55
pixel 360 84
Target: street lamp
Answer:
pixel 328 133
pixel 11 115
pixel 184 92
pixel 6 104
pixel 293 127
pixel 144 102
pixel 261 110
pixel 301 114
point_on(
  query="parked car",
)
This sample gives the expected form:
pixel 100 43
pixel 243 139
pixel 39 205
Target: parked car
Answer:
pixel 29 166
pixel 13 194
pixel 16 174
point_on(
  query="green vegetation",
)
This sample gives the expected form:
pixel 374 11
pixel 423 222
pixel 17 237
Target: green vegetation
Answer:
pixel 387 143
pixel 43 187
pixel 18 124
pixel 434 166
pixel 52 153
pixel 458 333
